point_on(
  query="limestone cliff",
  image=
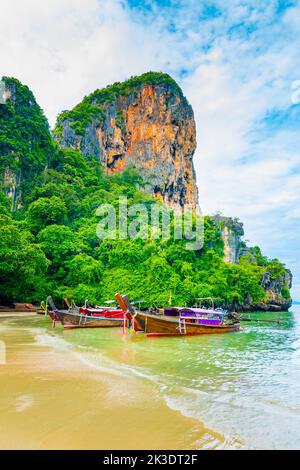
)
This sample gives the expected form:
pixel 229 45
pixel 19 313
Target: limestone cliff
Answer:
pixel 25 141
pixel 145 123
pixel 232 231
pixel 275 285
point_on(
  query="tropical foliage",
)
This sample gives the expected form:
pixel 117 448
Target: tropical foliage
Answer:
pixel 25 142
pixel 55 248
pixel 49 243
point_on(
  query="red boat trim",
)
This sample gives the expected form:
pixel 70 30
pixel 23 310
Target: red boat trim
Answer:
pixel 175 335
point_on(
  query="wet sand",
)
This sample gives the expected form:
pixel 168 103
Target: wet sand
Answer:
pixel 50 399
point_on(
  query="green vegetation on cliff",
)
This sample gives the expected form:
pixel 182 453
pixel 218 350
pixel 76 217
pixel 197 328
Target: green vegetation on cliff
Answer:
pixel 92 106
pixel 25 140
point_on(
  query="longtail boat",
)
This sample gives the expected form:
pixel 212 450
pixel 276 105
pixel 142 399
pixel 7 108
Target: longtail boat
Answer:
pixel 83 320
pixel 85 317
pixel 183 325
pixel 51 310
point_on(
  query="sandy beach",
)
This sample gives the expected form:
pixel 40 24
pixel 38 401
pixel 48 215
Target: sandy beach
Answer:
pixel 52 399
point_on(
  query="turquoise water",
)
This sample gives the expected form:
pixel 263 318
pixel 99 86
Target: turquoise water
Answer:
pixel 245 385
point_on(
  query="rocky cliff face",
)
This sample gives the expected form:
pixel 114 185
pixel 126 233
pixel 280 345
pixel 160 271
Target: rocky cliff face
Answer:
pixel 25 140
pixel 144 123
pixel 274 287
pixel 232 232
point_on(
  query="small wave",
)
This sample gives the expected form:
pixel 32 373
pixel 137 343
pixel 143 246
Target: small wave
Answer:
pixel 228 413
pixel 191 408
pixel 92 359
pixel 23 403
pixel 43 338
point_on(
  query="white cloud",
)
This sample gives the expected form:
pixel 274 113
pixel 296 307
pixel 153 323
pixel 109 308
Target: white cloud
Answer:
pixel 240 65
pixel 65 49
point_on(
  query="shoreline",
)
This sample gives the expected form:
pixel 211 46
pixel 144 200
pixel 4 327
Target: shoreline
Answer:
pixel 11 314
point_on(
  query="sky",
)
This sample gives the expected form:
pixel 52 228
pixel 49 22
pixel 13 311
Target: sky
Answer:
pixel 237 62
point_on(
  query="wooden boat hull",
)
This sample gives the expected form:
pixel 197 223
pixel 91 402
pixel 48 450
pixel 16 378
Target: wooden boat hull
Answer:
pixel 155 325
pixel 55 316
pixel 75 320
